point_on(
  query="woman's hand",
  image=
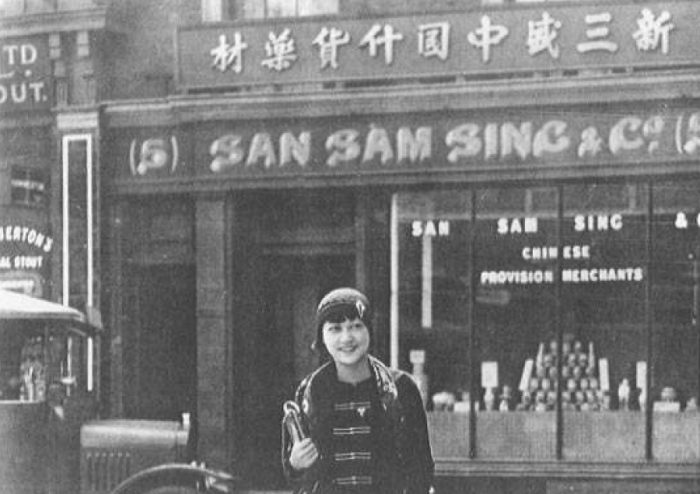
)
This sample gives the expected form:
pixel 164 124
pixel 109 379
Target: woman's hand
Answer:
pixel 303 455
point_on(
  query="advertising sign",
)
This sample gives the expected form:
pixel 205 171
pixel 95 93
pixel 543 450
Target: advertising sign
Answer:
pixel 468 142
pixel 490 40
pixel 24 74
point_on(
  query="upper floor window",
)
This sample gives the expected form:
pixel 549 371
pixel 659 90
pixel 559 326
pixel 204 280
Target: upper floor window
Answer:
pixel 220 10
pixel 9 8
pixel 288 8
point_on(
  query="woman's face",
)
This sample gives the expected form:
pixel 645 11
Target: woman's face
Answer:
pixel 347 341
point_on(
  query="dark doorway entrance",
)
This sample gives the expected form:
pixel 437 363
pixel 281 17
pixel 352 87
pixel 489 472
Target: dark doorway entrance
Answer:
pixel 293 285
pixel 162 342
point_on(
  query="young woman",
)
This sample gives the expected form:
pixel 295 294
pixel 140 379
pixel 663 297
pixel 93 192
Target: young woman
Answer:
pixel 365 423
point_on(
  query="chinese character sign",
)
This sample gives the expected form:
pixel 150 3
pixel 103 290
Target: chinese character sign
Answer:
pixel 559 37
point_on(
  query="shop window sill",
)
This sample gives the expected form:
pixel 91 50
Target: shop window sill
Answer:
pixel 676 437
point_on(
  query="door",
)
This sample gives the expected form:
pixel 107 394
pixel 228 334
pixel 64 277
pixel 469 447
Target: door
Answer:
pixel 162 343
pixel 293 286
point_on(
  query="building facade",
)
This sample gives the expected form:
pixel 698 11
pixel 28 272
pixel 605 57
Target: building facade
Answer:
pixel 514 185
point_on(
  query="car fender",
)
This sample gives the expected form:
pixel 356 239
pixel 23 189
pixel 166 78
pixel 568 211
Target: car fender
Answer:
pixel 173 474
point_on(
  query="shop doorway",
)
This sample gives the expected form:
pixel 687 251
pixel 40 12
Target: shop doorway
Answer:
pixel 292 287
pixel 162 343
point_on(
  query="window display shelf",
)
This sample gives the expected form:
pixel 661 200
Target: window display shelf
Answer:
pixel 595 437
pixel 449 434
pixel 604 436
pixel 518 435
pixel 676 437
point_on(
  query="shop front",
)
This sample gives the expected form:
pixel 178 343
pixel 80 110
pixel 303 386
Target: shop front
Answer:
pixel 530 244
pixel 535 270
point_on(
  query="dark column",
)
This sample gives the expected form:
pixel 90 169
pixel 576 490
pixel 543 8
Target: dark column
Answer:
pixel 212 331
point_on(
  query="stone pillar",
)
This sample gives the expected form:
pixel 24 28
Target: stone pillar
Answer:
pixel 213 386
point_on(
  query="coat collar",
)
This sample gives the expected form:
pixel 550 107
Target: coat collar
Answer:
pixel 383 378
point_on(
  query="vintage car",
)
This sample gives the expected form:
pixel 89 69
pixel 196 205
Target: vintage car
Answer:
pixel 53 440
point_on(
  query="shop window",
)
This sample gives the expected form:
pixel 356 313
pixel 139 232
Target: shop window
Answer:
pixel 38 363
pixel 432 263
pixel 514 318
pixel 565 315
pixel 675 367
pixel 603 307
pixel 28 187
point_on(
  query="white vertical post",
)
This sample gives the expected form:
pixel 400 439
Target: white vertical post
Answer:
pixel 90 302
pixel 65 223
pixel 427 282
pixel 394 282
pixel 65 188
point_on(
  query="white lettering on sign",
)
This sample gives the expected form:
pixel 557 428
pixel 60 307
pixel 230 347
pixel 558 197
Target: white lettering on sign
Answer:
pixel 653 31
pixel 344 146
pixel 506 141
pixel 28 262
pixel 486 36
pixel 430 228
pixel 230 150
pixel 227 55
pixel 596 275
pixel 588 32
pixel 506 226
pixel 541 35
pixel 379 35
pixel 23 92
pixel 434 40
pixel 21 262
pixel 682 223
pixel 329 40
pixel 538 277
pixel 551 252
pixel 25 234
pixel 16 62
pixel 597 223
pixel 517 277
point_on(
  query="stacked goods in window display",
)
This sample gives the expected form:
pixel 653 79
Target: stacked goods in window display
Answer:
pixel 583 389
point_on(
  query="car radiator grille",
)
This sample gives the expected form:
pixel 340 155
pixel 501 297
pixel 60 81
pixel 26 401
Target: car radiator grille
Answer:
pixel 104 470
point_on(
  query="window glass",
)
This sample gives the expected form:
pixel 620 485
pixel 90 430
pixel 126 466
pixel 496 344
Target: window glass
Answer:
pixel 28 187
pixel 604 281
pixel 674 388
pixel 256 9
pixel 598 267
pixel 433 280
pixel 514 318
pixel 38 362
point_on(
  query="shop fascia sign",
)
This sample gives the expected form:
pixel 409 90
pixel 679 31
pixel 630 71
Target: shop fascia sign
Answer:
pixel 384 145
pixel 24 74
pixel 23 247
pixel 519 38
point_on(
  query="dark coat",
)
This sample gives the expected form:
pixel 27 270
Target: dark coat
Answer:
pixel 406 463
